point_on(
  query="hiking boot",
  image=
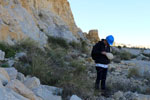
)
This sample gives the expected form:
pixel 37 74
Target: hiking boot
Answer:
pixel 105 93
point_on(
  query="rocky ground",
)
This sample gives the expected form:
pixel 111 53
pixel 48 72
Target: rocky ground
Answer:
pixel 127 79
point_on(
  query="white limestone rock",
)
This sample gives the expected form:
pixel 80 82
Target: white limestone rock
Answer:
pixel 75 97
pixel 32 82
pixel 47 92
pixel 12 72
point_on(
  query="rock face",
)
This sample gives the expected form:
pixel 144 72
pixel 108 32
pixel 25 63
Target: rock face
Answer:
pixel 32 82
pixel 93 36
pixel 12 72
pixel 4 77
pixel 35 19
pixel 8 94
pixel 19 88
pixel 46 92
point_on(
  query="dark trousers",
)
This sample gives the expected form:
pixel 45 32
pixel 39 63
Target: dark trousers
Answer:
pixel 101 75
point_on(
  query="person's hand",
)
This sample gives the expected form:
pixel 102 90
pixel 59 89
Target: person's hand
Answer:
pixel 104 53
pixel 109 56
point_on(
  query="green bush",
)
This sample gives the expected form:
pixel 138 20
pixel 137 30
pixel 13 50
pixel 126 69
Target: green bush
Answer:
pixel 10 51
pixel 125 55
pixel 4 65
pixel 58 41
pixel 119 47
pixel 26 44
pixel 133 72
pixel 75 45
pixel 52 67
pixel 84 47
pixel 79 67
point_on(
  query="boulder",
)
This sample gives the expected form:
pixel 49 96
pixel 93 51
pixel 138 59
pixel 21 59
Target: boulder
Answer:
pixel 118 95
pixel 93 36
pixel 135 96
pixel 47 92
pixel 19 87
pixel 75 97
pixel 32 82
pixel 147 52
pixel 4 77
pixel 11 63
pixel 21 77
pixel 12 72
pixel 4 73
pixel 8 94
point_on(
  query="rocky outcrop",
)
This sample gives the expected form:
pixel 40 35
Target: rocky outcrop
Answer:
pixel 19 88
pixel 93 36
pixel 130 96
pixel 4 77
pixel 30 89
pixel 35 19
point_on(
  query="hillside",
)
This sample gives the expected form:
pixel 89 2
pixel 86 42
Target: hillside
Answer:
pixel 61 68
pixel 36 19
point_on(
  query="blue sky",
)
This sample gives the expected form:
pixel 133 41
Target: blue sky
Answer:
pixel 127 20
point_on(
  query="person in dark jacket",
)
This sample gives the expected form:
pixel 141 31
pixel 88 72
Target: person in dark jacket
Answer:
pixel 101 60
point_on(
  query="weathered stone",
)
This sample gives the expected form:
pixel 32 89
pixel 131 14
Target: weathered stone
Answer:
pixel 21 77
pixel 36 19
pixel 4 77
pixel 2 55
pixel 135 96
pixel 11 63
pixel 8 94
pixel 32 82
pixel 19 87
pixel 74 97
pixel 47 92
pixel 12 72
pixel 93 36
pixel 118 95
pixel 147 52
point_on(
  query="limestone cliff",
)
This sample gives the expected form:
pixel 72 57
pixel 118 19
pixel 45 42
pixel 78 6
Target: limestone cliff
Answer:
pixel 36 19
pixel 93 36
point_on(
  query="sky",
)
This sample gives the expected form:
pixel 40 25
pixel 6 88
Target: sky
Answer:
pixel 127 20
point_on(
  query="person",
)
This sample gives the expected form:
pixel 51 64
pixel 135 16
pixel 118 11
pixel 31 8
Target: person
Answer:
pixel 99 54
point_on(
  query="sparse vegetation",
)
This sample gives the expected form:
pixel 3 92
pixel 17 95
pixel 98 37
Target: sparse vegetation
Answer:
pixel 133 72
pixel 58 41
pixel 10 51
pixel 123 55
pixel 4 65
pixel 51 66
pixel 119 47
pixel 147 55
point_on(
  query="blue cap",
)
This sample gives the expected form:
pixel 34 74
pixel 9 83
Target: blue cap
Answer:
pixel 110 39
